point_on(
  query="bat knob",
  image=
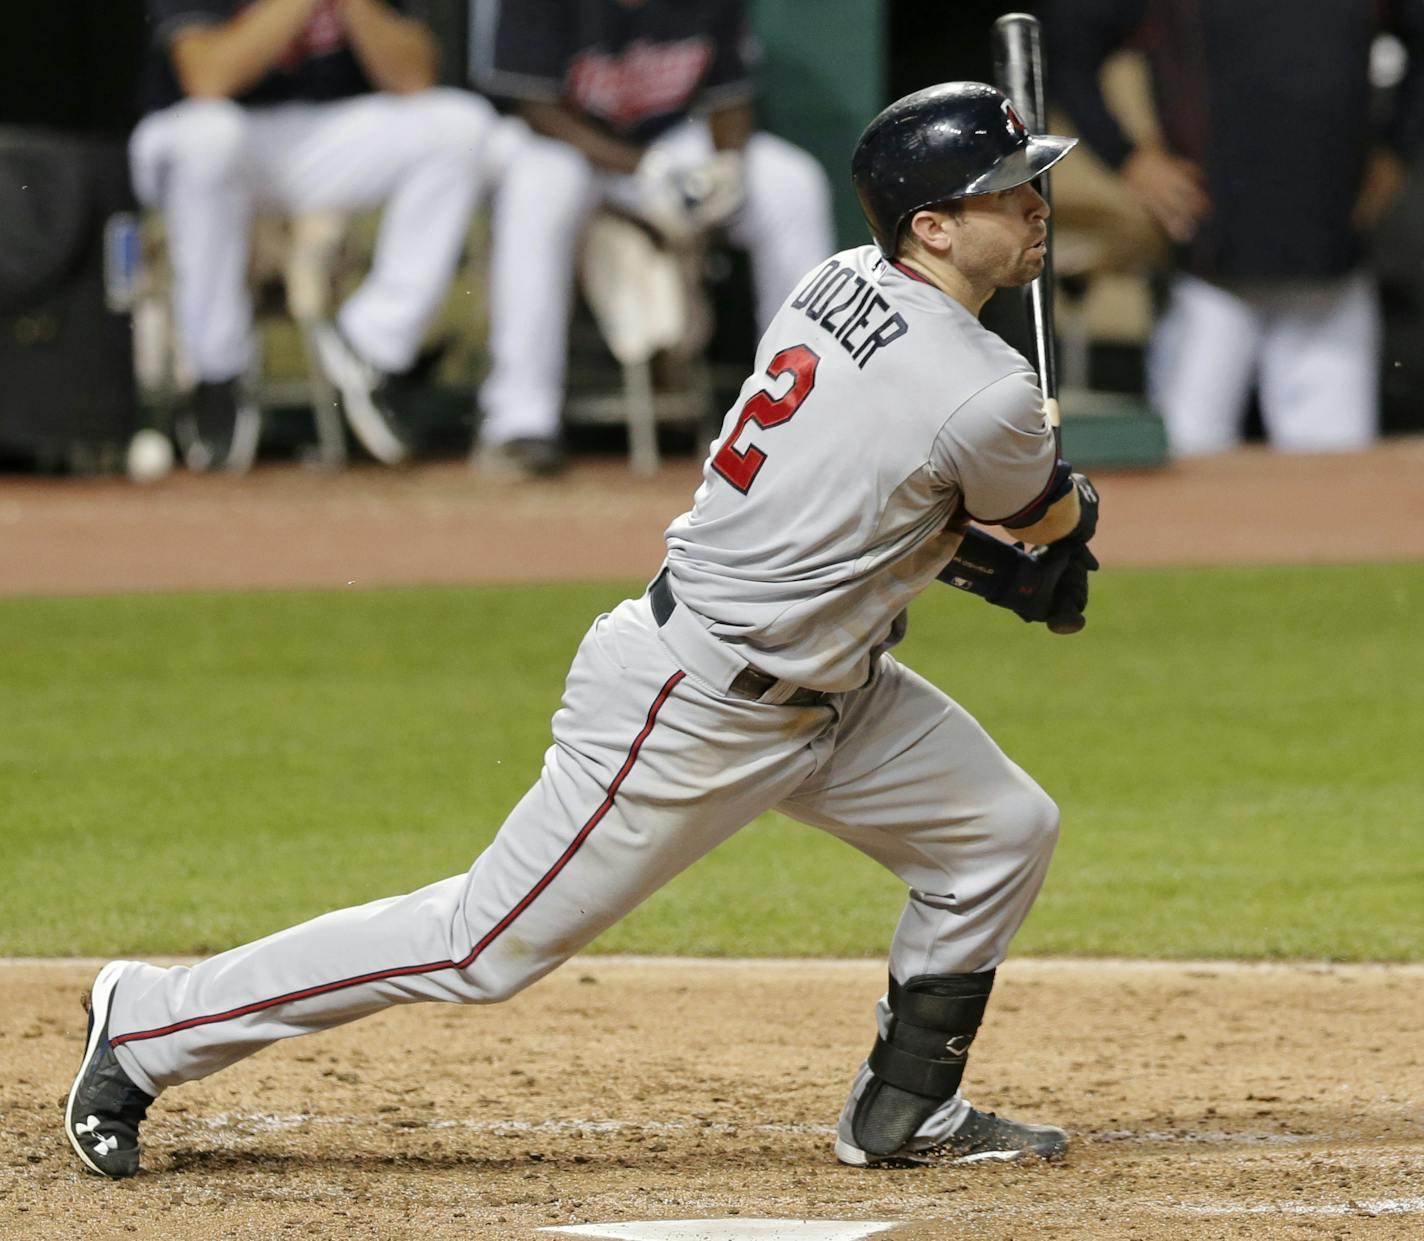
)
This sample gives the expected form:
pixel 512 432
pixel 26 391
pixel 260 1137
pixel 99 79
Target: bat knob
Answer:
pixel 1066 624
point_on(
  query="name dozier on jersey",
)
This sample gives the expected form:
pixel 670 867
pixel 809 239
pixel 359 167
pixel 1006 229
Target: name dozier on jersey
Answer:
pixel 822 303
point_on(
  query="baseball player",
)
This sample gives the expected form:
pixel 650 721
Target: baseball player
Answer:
pixel 303 105
pixel 755 672
pixel 645 104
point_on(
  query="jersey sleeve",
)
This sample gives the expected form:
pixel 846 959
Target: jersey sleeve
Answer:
pixel 519 48
pixel 169 17
pixel 729 77
pixel 998 449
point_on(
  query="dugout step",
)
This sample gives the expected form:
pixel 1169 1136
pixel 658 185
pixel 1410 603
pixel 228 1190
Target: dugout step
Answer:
pixel 1111 430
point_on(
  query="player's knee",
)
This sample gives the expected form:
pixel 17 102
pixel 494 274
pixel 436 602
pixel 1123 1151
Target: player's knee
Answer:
pixel 549 186
pixel 207 139
pixel 807 186
pixel 491 986
pixel 786 182
pixel 455 124
pixel 1025 821
pixel 496 991
pixel 562 168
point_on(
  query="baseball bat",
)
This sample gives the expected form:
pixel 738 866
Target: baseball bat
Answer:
pixel 1018 68
pixel 1018 72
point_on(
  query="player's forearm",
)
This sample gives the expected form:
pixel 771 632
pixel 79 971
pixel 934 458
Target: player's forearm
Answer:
pixel 732 126
pixel 398 53
pixel 1082 37
pixel 224 60
pixel 1058 522
pixel 555 120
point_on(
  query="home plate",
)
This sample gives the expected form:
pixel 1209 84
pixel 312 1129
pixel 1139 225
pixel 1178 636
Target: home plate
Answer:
pixel 731 1230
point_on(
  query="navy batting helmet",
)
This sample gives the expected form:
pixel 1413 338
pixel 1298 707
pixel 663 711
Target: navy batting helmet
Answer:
pixel 944 142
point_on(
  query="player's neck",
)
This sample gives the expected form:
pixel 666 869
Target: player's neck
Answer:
pixel 947 278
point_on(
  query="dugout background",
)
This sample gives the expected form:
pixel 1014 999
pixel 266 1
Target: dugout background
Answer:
pixel 829 65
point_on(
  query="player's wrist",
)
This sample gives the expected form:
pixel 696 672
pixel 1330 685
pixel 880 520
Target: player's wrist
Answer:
pixel 985 566
pixel 1088 503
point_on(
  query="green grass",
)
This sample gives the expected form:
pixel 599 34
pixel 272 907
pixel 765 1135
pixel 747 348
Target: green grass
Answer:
pixel 1236 753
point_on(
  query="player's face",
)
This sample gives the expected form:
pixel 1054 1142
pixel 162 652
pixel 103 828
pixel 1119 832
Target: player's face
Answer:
pixel 1002 239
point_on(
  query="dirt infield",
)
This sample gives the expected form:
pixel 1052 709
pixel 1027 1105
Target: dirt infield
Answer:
pixel 1207 1101
pixel 440 523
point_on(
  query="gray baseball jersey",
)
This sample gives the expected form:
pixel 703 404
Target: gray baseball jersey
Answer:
pixel 880 415
pixel 814 527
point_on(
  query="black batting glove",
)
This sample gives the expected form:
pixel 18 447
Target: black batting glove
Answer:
pixel 1048 583
pixel 1036 586
pixel 1070 592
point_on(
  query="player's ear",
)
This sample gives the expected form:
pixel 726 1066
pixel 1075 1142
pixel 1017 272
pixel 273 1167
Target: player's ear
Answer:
pixel 931 229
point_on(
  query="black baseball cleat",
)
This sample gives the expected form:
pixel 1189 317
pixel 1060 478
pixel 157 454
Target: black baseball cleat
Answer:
pixel 523 458
pixel 219 427
pixel 981 1137
pixel 368 396
pixel 105 1108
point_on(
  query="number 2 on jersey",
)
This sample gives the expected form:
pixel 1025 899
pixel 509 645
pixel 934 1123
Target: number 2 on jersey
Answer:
pixel 740 468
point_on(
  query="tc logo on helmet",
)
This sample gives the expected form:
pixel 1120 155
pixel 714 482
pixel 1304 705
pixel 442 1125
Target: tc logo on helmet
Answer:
pixel 1016 124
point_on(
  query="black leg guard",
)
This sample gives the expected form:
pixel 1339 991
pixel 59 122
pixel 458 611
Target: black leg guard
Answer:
pixel 919 1063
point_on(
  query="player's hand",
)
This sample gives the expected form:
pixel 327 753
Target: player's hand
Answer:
pixel 1069 599
pixel 1171 188
pixel 680 202
pixel 1047 582
pixel 1385 175
pixel 716 190
pixel 661 201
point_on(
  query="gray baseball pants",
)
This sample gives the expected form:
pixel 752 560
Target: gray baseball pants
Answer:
pixel 651 767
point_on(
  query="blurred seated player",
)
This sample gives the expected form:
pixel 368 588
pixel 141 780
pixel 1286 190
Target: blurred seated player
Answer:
pixel 303 105
pixel 1271 173
pixel 645 105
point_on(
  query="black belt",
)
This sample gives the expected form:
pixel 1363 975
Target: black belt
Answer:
pixel 750 683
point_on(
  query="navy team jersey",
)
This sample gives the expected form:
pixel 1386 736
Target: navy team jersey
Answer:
pixel 319 65
pixel 635 69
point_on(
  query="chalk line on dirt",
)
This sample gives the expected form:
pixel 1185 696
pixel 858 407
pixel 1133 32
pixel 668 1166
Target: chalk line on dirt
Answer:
pixel 1356 1206
pixel 266 1122
pixel 729 1230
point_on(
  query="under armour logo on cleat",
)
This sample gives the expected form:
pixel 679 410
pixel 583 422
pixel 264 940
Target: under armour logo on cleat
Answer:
pixel 104 1145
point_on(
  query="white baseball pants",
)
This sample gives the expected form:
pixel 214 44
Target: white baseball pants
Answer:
pixel 207 163
pixel 546 195
pixel 1312 348
pixel 651 767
